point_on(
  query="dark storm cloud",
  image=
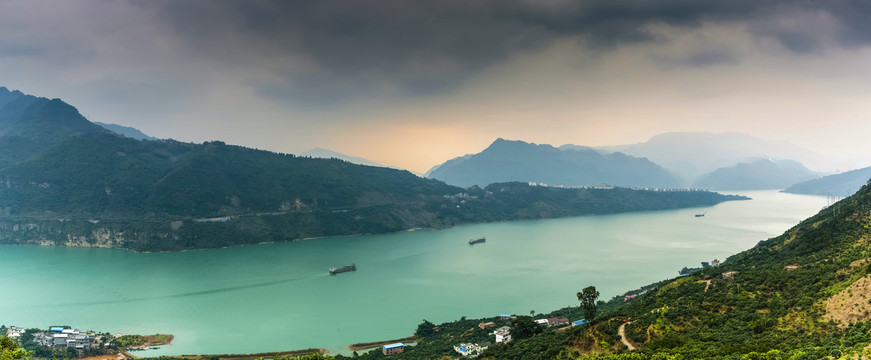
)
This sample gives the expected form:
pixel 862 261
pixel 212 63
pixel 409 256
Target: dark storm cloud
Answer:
pixel 405 47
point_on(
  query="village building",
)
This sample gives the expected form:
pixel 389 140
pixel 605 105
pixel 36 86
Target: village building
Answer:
pixel 715 263
pixel 503 334
pixel 470 350
pixel 396 348
pixel 506 317
pixel 790 267
pixel 484 325
pixel 729 275
pixel 557 321
pixel 629 297
pixel 14 332
pixel 541 321
pixel 579 322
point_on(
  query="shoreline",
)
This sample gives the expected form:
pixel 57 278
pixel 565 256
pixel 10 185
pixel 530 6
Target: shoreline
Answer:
pixel 266 355
pixel 375 344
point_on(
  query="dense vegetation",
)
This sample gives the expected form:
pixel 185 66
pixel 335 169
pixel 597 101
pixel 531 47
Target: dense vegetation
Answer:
pixel 71 182
pixel 803 295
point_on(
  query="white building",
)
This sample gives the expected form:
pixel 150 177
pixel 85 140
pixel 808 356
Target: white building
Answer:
pixel 503 334
pixel 470 350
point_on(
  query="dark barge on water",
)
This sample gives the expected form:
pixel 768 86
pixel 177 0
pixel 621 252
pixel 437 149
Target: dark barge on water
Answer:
pixel 477 241
pixel 334 271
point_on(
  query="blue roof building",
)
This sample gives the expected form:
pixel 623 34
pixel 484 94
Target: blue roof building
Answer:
pixel 56 329
pixel 579 322
pixel 392 348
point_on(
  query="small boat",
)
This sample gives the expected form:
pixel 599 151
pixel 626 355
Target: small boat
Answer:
pixel 334 270
pixel 154 347
pixel 701 215
pixel 477 241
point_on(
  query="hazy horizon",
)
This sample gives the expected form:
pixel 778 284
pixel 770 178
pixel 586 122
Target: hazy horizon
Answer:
pixel 413 84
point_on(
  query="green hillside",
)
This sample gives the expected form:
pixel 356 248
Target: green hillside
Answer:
pixel 803 295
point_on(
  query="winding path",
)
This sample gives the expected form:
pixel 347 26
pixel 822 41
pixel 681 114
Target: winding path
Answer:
pixel 622 332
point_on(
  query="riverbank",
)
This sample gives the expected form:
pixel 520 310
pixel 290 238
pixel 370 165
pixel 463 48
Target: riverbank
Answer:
pixel 370 345
pixel 266 355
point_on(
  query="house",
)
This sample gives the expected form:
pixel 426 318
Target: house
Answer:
pixel 484 325
pixel 56 329
pixel 557 321
pixel 470 350
pixel 715 263
pixel 506 317
pixel 729 274
pixel 629 297
pixel 541 321
pixel 579 322
pixel 503 334
pixel 396 348
pixel 790 267
pixel 59 340
pixel 14 332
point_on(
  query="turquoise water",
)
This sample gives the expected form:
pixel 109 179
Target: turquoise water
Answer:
pixel 274 297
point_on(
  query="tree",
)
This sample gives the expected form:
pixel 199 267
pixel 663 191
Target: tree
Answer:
pixel 425 329
pixel 588 297
pixel 9 350
pixel 524 327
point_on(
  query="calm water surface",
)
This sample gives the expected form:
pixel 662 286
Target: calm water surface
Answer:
pixel 274 297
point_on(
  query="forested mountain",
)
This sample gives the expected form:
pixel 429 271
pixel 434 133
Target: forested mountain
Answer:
pixel 506 160
pixel 127 131
pixel 29 124
pixel 802 295
pixel 842 184
pixel 67 181
pixel 330 154
pixel 757 175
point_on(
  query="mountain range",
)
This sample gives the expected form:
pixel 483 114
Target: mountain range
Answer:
pixel 67 181
pixel 514 160
pixel 690 155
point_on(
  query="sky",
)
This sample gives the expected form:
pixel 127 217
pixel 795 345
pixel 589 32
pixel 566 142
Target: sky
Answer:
pixel 414 83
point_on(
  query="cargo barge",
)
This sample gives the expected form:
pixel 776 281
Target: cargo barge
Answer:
pixel 334 271
pixel 477 241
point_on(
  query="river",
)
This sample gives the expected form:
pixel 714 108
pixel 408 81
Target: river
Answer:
pixel 274 297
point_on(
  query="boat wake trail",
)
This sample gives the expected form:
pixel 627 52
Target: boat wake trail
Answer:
pixel 193 293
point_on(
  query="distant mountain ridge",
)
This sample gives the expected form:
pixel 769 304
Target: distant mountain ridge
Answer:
pixel 514 160
pixel 693 154
pixel 761 174
pixel 842 184
pixel 127 131
pixel 330 154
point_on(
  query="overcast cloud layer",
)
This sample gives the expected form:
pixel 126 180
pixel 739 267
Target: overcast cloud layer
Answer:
pixel 412 83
